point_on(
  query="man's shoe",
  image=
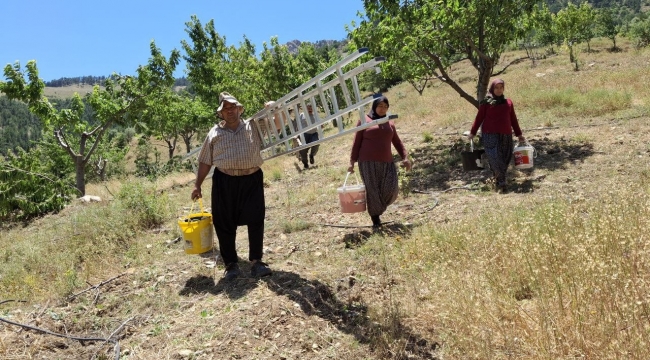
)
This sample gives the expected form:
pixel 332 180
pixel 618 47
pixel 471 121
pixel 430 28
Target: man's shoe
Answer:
pixel 306 165
pixel 232 272
pixel 311 159
pixel 260 269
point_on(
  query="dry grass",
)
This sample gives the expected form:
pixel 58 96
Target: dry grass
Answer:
pixel 65 92
pixel 557 269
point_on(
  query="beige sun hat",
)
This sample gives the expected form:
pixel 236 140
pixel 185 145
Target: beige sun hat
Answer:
pixel 224 96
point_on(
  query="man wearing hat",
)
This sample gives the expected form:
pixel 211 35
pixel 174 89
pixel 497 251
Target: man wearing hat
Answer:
pixel 233 147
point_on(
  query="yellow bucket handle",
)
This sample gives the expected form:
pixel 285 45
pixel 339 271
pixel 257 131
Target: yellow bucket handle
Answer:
pixel 200 201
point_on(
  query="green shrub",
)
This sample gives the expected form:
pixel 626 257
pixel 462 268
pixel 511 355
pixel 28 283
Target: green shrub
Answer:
pixel 141 199
pixel 640 31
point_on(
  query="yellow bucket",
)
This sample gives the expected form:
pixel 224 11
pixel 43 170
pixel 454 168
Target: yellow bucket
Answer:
pixel 197 230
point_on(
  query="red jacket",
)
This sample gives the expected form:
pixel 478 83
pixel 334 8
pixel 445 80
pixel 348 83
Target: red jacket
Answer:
pixel 497 119
pixel 374 143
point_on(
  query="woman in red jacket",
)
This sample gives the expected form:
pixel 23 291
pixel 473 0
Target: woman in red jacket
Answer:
pixel 372 149
pixel 496 115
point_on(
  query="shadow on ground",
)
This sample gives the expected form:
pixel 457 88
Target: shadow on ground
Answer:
pixel 316 298
pixel 233 289
pixel 439 167
pixel 358 238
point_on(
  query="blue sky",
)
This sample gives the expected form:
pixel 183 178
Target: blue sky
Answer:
pixel 70 38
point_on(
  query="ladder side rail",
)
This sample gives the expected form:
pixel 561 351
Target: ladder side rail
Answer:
pixel 316 82
pixel 326 108
pixel 357 92
pixel 338 114
pixel 335 105
pixel 335 135
pixel 345 61
pixel 269 127
pixel 344 86
pixel 192 152
pixel 300 132
pixel 349 75
pixel 313 81
pixel 286 138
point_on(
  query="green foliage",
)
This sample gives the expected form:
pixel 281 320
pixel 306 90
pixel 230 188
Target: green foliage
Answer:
pixel 404 182
pixel 109 160
pixel 607 25
pixel 538 30
pixel 422 39
pixel 170 116
pixel 144 203
pixel 18 127
pixel 295 225
pixel 640 31
pixel 123 98
pixel 29 186
pixel 575 25
pixel 205 57
pixel 148 161
pixel 213 66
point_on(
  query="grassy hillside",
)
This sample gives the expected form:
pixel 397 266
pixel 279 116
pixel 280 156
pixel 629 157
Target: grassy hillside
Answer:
pixel 66 92
pixel 556 269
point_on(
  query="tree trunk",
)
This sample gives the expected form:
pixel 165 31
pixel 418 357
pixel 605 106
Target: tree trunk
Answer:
pixel 484 73
pixel 80 175
pixel 171 147
pixel 188 140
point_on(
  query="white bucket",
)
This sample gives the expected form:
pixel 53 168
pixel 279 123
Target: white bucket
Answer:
pixel 524 156
pixel 352 198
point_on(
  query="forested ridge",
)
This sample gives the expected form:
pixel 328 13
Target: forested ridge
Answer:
pixel 18 127
pixel 633 5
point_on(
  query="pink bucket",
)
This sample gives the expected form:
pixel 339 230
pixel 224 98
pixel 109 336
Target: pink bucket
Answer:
pixel 352 197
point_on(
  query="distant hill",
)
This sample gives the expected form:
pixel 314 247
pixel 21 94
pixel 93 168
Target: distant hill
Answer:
pixel 293 45
pixel 79 80
pixel 90 80
pixel 66 92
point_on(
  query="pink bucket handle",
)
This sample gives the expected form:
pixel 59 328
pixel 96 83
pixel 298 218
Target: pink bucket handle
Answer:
pixel 346 178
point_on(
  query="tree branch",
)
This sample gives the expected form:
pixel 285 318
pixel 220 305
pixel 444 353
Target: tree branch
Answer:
pixel 96 286
pixel 478 52
pixel 450 82
pixel 94 130
pixel 513 62
pixel 97 140
pixel 116 344
pixel 63 142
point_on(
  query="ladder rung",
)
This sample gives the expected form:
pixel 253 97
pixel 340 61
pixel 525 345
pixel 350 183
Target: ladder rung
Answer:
pixel 327 119
pixel 349 131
